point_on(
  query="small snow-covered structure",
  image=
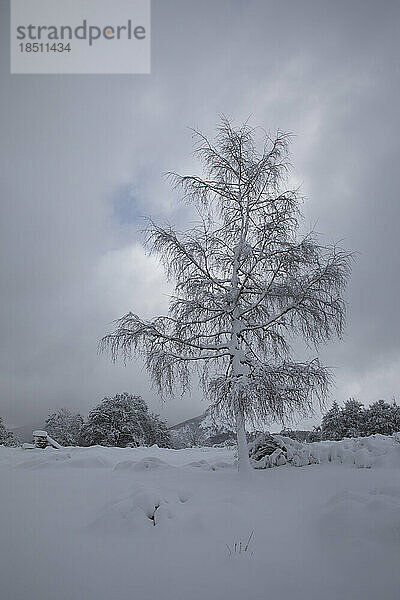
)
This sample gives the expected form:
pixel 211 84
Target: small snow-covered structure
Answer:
pixel 41 439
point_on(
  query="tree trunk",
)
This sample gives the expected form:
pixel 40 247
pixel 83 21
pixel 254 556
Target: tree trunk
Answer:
pixel 239 369
pixel 242 449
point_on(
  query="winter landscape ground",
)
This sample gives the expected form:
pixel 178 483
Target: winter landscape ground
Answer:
pixel 145 523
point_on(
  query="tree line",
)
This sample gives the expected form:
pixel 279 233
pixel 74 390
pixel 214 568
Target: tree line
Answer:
pixel 121 421
pixel 353 419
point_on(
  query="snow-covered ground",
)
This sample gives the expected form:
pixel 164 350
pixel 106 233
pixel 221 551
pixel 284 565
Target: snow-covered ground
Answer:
pixel 147 524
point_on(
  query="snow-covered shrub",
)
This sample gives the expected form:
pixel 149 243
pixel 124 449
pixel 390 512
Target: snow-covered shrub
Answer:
pixel 267 451
pixel 275 450
pixel 363 452
pixel 124 420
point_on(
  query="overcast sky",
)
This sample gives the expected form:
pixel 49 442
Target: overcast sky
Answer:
pixel 82 158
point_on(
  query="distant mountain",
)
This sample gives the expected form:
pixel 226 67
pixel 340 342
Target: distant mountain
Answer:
pixel 300 435
pixel 204 430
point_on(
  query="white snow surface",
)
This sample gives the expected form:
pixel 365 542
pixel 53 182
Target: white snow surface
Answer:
pixel 149 523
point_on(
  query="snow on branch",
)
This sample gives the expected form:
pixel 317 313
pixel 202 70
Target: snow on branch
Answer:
pixel 277 392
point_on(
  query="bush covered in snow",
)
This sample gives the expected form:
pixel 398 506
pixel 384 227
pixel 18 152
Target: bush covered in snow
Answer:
pixel 65 427
pixel 364 452
pixel 7 438
pixel 124 420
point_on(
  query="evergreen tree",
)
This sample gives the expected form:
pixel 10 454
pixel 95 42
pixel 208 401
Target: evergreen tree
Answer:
pixel 396 416
pixel 383 418
pixel 352 418
pixel 332 426
pixel 7 438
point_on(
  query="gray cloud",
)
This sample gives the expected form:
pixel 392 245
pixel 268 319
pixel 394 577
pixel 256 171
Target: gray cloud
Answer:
pixel 73 146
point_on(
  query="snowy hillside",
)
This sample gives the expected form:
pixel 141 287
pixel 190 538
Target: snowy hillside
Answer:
pixel 148 523
pixel 204 430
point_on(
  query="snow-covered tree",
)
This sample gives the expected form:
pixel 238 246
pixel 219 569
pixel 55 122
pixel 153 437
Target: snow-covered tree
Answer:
pixel 65 427
pixel 122 421
pixel 352 418
pixel 157 432
pixel 246 282
pixel 382 417
pixel 7 438
pixel 332 427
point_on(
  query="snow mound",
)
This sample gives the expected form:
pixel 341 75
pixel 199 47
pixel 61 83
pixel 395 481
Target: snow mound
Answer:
pixel 221 464
pixel 144 509
pixel 372 451
pixel 125 465
pixel 200 464
pixel 133 513
pixel 150 463
pixel 48 458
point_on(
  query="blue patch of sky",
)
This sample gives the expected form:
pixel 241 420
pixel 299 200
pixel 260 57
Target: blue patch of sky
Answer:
pixel 126 207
